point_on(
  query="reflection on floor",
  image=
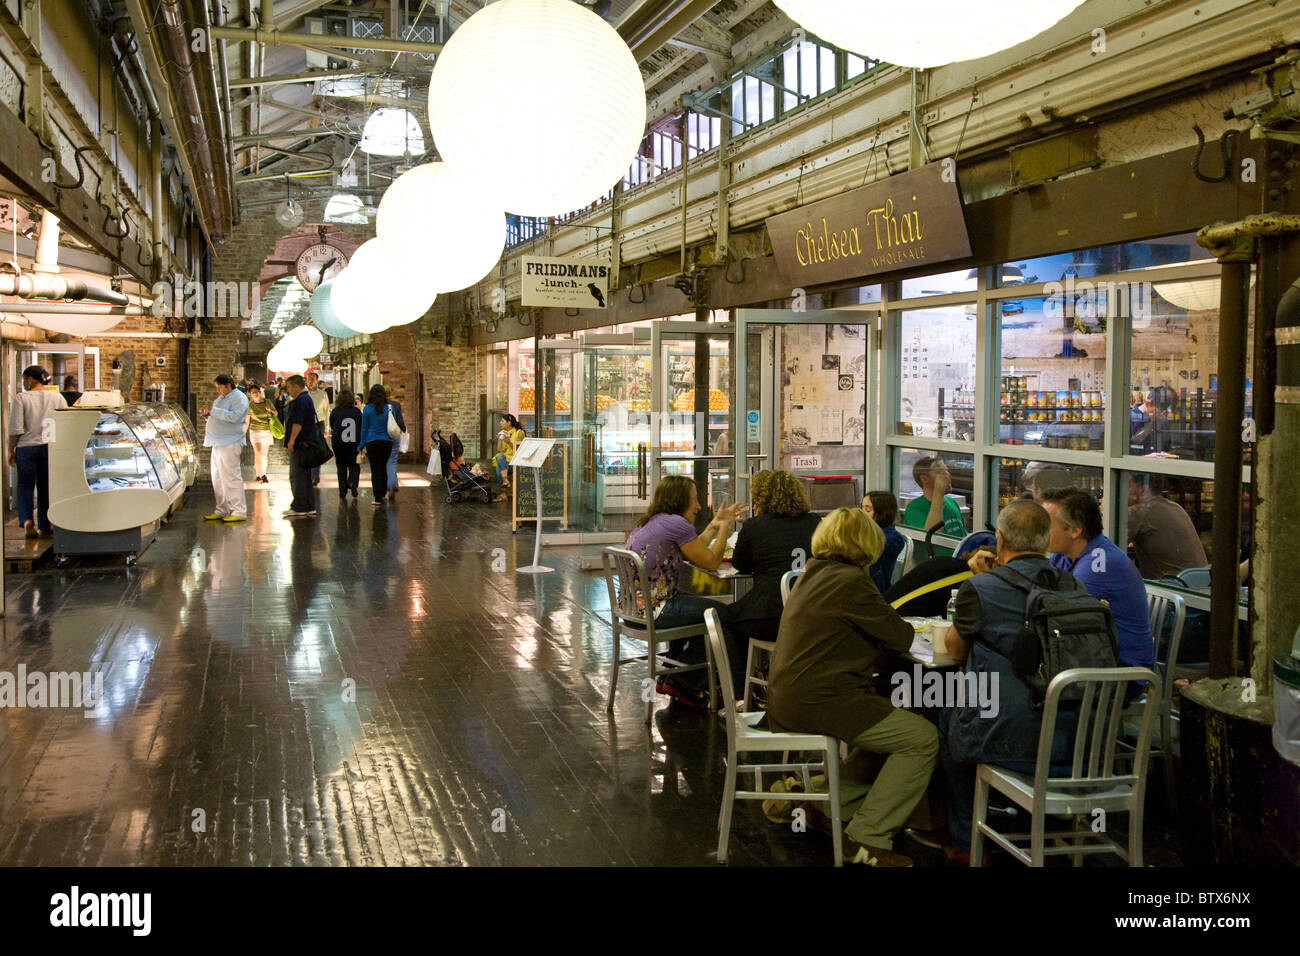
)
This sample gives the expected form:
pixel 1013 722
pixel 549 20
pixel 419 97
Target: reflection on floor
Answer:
pixel 364 687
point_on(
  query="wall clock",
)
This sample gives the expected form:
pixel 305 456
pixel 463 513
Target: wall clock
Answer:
pixel 317 263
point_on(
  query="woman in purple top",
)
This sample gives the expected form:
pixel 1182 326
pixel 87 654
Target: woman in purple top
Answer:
pixel 662 537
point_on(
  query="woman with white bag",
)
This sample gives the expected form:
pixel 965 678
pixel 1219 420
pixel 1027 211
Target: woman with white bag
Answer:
pixel 377 428
pixel 401 441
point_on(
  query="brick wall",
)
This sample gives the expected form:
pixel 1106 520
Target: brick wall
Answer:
pixel 137 356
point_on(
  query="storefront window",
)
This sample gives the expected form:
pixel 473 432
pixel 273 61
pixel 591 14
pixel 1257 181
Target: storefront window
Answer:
pixel 823 406
pixel 1165 522
pixel 937 373
pixel 1052 385
pixel 916 469
pixel 1082 264
pixel 963 280
pixel 499 362
pixel 1025 478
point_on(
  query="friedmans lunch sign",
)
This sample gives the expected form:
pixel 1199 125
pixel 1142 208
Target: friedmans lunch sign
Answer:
pixel 913 219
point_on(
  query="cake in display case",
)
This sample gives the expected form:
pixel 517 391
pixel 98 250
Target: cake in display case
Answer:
pixel 115 475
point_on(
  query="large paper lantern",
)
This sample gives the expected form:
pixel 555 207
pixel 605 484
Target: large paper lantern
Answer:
pixel 281 361
pixel 373 292
pixel 436 221
pixel 925 33
pixel 323 315
pixel 543 99
pixel 305 341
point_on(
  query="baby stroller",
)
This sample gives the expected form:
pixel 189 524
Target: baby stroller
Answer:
pixel 461 480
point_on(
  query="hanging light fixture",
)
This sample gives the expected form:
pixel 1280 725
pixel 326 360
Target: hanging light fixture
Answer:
pixel 345 207
pixel 322 312
pixel 543 100
pixel 372 293
pixel 435 220
pixel 1196 295
pixel 925 33
pixel 392 131
pixel 305 341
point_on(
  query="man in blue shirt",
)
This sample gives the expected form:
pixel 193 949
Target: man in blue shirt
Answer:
pixel 299 426
pixel 1078 546
pixel 225 436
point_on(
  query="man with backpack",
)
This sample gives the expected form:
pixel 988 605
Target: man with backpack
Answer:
pixel 1024 621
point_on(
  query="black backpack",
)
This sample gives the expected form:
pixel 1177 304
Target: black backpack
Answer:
pixel 1064 627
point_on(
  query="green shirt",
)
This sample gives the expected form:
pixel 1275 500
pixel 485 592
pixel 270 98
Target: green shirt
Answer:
pixel 259 416
pixel 918 508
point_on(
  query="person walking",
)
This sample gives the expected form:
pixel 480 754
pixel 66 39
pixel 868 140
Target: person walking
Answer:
pixel 320 400
pixel 345 426
pixel 392 455
pixel 260 413
pixel 374 437
pixel 29 450
pixel 299 425
pixel 225 436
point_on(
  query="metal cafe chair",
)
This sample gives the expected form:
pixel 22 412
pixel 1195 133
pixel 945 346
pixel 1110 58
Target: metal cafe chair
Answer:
pixel 904 559
pixel 758 647
pixel 1093 782
pixel 745 738
pixel 630 605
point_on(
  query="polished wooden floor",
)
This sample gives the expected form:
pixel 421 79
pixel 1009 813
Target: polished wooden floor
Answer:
pixel 373 686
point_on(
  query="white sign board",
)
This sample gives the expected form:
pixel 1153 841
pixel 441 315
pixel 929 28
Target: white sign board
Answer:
pixel 806 461
pixel 751 427
pixel 532 452
pixel 566 283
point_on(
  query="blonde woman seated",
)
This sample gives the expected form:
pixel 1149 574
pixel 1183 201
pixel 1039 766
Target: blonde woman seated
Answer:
pixel 833 628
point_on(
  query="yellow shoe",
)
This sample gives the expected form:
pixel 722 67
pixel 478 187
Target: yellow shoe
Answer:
pixel 232 519
pixel 214 517
pixel 778 811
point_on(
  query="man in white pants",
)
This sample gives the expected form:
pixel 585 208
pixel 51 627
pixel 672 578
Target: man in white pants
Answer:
pixel 225 436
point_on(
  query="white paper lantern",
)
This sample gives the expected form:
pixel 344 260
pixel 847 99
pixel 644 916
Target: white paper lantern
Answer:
pixel 305 341
pixel 925 33
pixel 279 360
pixel 543 99
pixel 373 292
pixel 392 131
pixel 436 221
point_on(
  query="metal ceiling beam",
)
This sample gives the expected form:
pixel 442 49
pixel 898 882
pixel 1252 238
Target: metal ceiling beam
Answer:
pixel 309 76
pixel 316 40
pixel 650 24
pixel 286 134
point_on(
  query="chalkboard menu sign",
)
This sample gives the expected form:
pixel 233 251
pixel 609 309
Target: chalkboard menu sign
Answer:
pixel 555 490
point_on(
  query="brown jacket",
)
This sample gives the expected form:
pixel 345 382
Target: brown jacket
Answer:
pixel 833 627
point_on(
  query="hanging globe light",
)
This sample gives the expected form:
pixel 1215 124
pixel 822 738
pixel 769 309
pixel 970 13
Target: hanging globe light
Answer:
pixel 279 360
pixel 434 220
pixel 925 33
pixel 323 315
pixel 373 293
pixel 392 131
pixel 305 341
pixel 543 99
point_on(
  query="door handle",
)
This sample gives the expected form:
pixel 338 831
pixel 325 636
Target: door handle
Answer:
pixel 642 470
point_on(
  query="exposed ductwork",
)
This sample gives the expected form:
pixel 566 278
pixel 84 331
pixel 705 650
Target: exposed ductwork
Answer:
pixel 44 280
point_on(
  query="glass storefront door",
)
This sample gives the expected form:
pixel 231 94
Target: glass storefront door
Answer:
pixel 693 401
pixel 805 406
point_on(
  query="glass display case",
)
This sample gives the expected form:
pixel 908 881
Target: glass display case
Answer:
pixel 127 449
pixel 178 434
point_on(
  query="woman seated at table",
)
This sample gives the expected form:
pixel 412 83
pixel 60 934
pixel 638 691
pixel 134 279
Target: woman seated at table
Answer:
pixel 663 536
pixel 835 625
pixel 776 540
pixel 882 508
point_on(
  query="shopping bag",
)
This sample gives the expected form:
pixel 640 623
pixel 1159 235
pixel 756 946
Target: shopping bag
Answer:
pixel 404 443
pixel 277 428
pixel 435 463
pixel 394 429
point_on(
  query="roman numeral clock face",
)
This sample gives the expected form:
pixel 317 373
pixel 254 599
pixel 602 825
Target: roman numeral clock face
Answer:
pixel 318 263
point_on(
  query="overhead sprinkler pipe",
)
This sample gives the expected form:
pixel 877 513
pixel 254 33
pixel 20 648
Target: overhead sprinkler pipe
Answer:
pixel 47 245
pixel 44 281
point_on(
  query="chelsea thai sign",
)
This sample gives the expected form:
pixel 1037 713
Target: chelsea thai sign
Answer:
pixel 913 219
pixel 567 283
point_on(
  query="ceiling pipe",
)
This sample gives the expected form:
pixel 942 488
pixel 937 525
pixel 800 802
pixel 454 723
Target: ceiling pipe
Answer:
pixel 273 37
pixel 44 281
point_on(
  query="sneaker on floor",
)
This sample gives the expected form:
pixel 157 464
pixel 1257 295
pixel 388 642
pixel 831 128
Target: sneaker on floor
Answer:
pixel 215 516
pixel 687 698
pixel 863 855
pixel 378 502
pixel 778 811
pixel 233 519
pixel 45 533
pixel 297 514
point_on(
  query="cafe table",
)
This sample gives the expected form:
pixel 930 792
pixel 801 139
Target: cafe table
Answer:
pixel 725 584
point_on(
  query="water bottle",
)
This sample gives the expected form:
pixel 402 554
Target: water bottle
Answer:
pixel 952 606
